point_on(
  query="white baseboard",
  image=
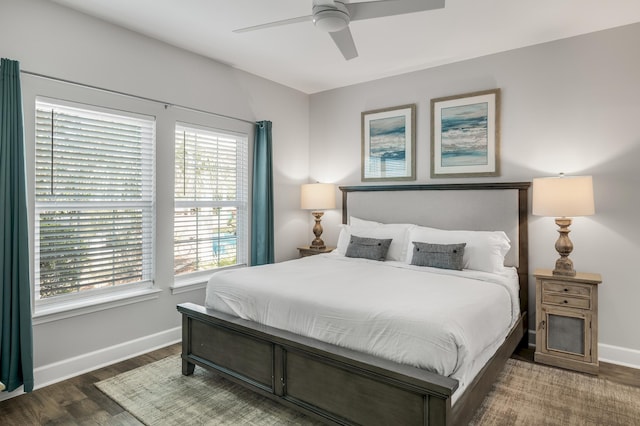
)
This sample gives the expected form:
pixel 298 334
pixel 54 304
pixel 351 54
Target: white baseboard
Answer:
pixel 617 355
pixel 607 353
pixel 62 370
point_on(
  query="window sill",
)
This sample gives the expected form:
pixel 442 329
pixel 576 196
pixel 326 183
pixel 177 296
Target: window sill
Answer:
pixel 197 281
pixel 191 284
pixel 75 308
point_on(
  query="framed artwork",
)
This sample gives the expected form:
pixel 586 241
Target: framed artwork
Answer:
pixel 465 135
pixel 389 144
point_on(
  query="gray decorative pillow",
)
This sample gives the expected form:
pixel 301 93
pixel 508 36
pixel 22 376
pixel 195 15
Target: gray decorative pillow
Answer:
pixel 443 256
pixel 368 248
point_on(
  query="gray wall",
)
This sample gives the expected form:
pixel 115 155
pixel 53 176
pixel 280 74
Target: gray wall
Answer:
pixel 49 39
pixel 568 106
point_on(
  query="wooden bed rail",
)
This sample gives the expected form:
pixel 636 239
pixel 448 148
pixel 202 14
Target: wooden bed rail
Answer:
pixel 323 380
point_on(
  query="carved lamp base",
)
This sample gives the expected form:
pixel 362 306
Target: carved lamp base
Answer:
pixel 564 246
pixel 317 242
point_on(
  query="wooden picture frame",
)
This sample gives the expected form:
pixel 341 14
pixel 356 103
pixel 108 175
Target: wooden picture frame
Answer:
pixel 465 135
pixel 389 144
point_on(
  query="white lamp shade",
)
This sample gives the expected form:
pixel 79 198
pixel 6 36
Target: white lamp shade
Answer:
pixel 563 196
pixel 318 196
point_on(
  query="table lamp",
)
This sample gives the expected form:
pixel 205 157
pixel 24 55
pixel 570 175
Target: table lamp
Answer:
pixel 563 198
pixel 317 197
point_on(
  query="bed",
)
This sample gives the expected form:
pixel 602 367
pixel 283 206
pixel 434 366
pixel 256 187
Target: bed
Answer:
pixel 312 367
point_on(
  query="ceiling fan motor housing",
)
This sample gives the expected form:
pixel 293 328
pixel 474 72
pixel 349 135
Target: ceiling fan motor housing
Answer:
pixel 331 18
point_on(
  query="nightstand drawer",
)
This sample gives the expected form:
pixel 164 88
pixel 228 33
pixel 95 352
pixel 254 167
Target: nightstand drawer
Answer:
pixel 564 288
pixel 565 300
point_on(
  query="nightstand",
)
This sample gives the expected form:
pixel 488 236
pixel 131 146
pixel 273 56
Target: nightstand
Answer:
pixel 567 320
pixel 308 251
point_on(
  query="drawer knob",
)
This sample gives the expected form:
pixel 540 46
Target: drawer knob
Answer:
pixel 566 289
pixel 566 301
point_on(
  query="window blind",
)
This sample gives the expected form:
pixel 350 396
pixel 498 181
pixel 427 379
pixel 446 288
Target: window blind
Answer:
pixel 94 200
pixel 211 191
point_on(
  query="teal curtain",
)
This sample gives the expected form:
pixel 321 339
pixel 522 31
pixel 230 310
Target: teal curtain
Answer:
pixel 262 199
pixel 16 339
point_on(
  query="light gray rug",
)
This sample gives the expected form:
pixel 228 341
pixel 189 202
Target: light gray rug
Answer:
pixel 158 394
pixel 525 394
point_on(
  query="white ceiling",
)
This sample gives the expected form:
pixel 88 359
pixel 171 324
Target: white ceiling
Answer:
pixel 303 57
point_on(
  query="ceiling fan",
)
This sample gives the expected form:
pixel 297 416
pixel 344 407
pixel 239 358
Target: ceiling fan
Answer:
pixel 333 16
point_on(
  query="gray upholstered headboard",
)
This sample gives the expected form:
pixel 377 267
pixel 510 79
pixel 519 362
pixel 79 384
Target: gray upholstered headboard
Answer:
pixel 472 206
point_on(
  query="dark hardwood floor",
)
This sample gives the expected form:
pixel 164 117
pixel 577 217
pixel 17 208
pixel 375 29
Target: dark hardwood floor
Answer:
pixel 78 402
pixel 614 372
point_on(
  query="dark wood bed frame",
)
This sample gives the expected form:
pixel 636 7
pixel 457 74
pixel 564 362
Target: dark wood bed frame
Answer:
pixel 338 385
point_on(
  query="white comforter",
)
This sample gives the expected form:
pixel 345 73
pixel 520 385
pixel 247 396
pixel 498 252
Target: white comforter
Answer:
pixel 448 322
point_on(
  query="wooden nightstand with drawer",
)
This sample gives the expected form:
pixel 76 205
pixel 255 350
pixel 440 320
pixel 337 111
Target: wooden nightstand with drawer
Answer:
pixel 567 320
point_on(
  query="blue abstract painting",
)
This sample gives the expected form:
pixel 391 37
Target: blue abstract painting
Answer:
pixel 464 135
pixel 387 145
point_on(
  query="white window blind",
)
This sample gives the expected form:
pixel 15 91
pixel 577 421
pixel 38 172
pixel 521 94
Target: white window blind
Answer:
pixel 211 186
pixel 94 200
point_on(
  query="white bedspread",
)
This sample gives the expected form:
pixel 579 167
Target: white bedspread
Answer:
pixel 448 322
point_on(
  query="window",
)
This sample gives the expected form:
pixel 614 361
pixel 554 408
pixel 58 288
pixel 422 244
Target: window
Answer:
pixel 94 200
pixel 211 186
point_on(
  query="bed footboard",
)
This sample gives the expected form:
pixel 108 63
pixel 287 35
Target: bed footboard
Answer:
pixel 330 383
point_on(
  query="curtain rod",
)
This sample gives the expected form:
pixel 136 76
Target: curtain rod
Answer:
pixel 166 104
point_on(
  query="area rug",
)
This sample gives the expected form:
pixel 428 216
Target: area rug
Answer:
pixel 525 394
pixel 158 394
pixel 532 394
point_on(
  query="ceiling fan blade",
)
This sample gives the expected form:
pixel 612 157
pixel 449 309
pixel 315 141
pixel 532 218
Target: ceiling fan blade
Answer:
pixel 275 24
pixel 344 40
pixel 379 9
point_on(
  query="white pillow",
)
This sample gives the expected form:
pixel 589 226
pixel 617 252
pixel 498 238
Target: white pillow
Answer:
pixel 343 239
pixel 397 232
pixel 485 250
pixel 355 221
